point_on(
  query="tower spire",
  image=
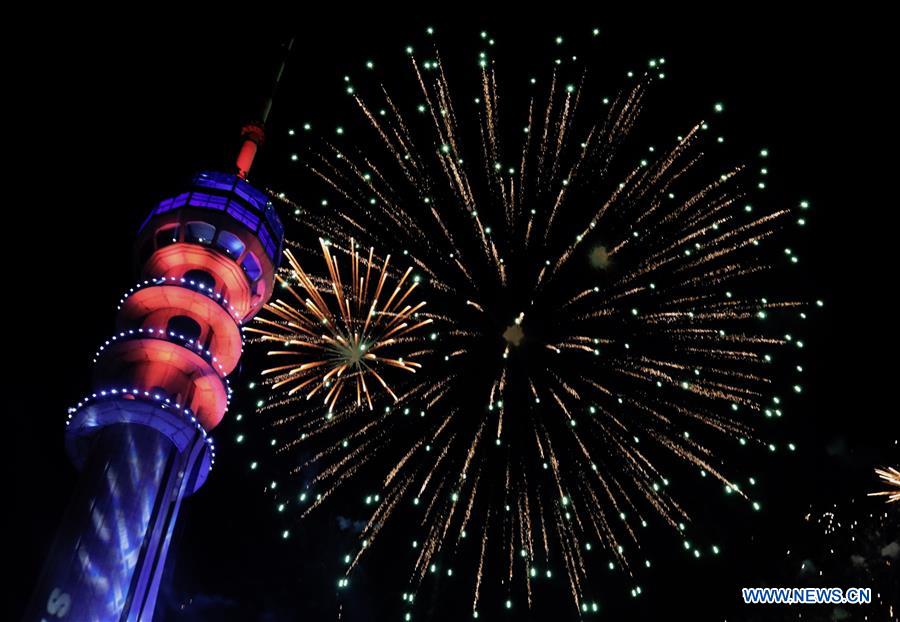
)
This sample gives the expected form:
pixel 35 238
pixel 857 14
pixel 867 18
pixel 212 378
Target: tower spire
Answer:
pixel 253 134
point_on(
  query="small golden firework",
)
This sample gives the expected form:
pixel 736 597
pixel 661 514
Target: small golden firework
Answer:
pixel 891 477
pixel 338 333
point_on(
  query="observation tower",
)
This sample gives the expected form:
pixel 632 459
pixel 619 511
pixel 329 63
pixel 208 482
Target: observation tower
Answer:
pixel 142 436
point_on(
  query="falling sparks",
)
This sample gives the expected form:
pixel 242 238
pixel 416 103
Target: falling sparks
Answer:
pixel 553 400
pixel 891 477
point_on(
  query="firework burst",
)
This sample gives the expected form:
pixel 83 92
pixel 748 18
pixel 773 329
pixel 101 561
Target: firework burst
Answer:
pixel 330 346
pixel 598 323
pixel 891 477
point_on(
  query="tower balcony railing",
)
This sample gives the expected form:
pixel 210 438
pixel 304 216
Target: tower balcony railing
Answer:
pixel 185 283
pixel 166 335
pixel 152 408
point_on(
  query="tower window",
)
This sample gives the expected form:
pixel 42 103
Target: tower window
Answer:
pixel 230 243
pixel 166 235
pixel 199 232
pixel 251 266
pixel 201 277
pixel 184 326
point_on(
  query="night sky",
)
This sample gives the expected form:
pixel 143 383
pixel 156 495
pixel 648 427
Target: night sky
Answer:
pixel 110 121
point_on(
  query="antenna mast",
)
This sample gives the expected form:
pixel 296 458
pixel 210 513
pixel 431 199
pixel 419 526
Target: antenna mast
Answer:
pixel 253 134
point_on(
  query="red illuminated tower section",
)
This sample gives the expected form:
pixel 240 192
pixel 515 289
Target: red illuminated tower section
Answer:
pixel 142 438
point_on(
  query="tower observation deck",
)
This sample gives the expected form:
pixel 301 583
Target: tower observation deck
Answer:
pixel 141 437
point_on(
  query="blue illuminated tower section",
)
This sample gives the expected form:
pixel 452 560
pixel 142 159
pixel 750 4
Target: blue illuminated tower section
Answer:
pixel 141 438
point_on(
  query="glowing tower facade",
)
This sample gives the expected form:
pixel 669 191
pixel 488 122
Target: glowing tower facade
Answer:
pixel 142 437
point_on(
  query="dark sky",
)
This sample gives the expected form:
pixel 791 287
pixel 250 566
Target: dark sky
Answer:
pixel 110 120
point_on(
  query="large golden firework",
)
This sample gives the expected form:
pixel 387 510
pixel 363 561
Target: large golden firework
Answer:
pixel 891 477
pixel 342 341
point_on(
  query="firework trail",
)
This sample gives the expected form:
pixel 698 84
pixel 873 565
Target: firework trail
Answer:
pixel 597 322
pixel 891 477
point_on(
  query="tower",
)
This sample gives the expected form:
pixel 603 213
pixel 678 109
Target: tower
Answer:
pixel 141 438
